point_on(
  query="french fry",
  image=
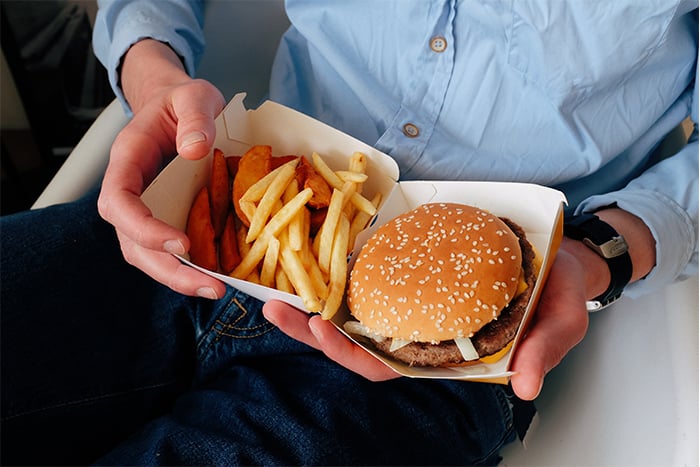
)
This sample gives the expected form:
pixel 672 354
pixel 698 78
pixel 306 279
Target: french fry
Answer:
pixel 349 176
pixel 257 190
pixel 318 279
pixel 269 266
pixel 291 191
pixel 248 210
pixel 229 256
pixel 325 171
pixel 323 242
pixel 200 231
pixel 359 222
pixel 282 281
pixel 244 250
pixel 252 166
pixel 272 195
pixel 362 203
pixel 254 277
pixel 272 229
pixel 358 163
pixel 219 192
pixel 338 269
pixel 297 231
pixel 243 246
pixel 293 267
pixel 276 206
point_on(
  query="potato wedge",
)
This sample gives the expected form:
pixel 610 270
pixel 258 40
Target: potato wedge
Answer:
pixel 309 178
pixel 229 255
pixel 254 165
pixel 200 231
pixel 219 192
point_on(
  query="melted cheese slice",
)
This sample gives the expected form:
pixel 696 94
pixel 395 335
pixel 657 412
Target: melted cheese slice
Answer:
pixel 493 358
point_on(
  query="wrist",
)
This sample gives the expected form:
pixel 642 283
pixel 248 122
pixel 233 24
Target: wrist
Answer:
pixel 621 241
pixel 147 68
pixel 597 276
pixel 642 246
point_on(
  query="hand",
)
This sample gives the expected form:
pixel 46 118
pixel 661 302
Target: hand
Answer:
pixel 175 114
pixel 561 319
pixel 560 322
pixel 323 335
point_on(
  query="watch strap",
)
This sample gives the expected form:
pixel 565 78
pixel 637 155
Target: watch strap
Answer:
pixel 602 238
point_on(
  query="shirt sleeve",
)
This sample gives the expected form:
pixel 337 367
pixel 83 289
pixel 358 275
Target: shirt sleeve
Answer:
pixel 119 24
pixel 665 197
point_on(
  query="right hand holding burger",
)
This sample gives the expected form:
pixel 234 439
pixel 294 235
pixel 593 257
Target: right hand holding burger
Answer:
pixel 559 322
pixel 558 325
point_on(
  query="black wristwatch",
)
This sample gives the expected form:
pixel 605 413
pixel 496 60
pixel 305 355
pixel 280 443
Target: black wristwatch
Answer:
pixel 600 237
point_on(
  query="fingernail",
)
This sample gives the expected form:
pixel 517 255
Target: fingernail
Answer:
pixel 174 246
pixel 314 328
pixel 192 138
pixel 207 292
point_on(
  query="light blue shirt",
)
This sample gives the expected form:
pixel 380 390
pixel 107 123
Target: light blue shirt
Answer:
pixel 574 95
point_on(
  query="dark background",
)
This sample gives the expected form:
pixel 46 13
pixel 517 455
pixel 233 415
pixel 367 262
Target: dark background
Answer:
pixel 53 89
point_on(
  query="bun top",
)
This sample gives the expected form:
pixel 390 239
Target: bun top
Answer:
pixel 441 271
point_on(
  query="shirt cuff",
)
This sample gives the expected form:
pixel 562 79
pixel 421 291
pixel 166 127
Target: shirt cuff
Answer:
pixel 672 228
pixel 162 21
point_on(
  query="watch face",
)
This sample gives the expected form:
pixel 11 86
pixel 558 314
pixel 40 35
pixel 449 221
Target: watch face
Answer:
pixel 616 246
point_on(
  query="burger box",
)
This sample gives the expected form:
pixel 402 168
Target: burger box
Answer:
pixel 537 209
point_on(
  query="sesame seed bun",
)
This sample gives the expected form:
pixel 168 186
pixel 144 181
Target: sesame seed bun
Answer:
pixel 439 272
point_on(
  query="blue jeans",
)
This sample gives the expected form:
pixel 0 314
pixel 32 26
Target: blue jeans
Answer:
pixel 100 364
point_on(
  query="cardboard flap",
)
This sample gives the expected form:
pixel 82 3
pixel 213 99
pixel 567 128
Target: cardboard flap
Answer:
pixel 538 210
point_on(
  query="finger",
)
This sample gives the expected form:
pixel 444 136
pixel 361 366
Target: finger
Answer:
pixel 170 271
pixel 135 158
pixel 348 354
pixel 291 321
pixel 125 210
pixel 195 112
pixel 560 323
pixel 323 335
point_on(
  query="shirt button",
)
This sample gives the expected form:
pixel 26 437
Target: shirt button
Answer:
pixel 410 130
pixel 438 44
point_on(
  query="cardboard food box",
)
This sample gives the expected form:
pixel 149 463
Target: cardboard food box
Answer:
pixel 538 210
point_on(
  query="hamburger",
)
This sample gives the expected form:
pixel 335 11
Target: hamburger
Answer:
pixel 445 284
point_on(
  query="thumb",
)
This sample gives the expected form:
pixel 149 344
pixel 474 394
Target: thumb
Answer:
pixel 559 324
pixel 196 107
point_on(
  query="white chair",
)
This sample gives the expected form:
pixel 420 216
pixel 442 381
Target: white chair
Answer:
pixel 232 68
pixel 627 395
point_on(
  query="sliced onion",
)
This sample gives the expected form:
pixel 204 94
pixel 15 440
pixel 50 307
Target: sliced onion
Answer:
pixel 397 343
pixel 466 348
pixel 355 327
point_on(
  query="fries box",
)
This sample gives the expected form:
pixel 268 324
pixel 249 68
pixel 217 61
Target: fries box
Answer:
pixel 538 210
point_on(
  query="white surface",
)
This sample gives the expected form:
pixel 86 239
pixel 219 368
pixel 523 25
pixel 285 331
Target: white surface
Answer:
pixel 628 394
pixel 87 162
pixel 238 58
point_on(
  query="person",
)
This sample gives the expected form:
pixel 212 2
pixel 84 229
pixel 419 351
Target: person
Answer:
pixel 126 356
